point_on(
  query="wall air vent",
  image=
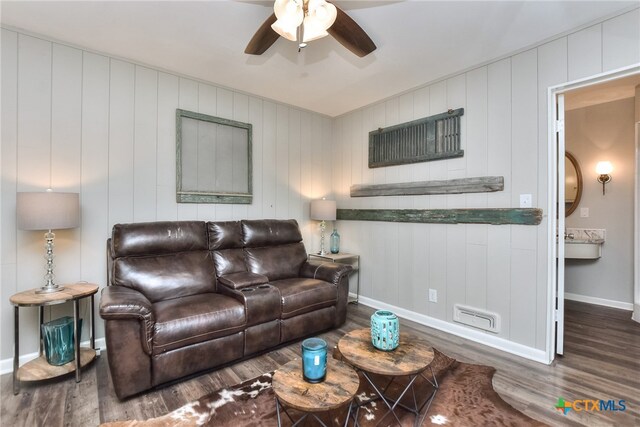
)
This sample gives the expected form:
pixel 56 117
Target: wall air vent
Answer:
pixel 481 319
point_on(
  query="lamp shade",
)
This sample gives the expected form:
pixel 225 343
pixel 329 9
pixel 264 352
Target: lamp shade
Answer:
pixel 323 14
pixel 323 210
pixel 312 30
pixel 286 31
pixel 604 168
pixel 48 210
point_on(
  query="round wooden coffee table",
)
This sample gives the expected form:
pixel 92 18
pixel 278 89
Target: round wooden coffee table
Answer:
pixel 291 390
pixel 412 357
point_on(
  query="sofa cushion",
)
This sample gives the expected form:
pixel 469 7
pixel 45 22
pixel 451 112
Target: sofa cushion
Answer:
pixel 229 261
pixel 304 295
pixel 224 235
pixel 166 276
pixel 270 232
pixel 196 318
pixel 276 262
pixel 157 238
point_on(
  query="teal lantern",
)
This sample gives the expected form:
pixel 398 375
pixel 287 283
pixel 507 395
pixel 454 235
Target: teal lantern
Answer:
pixel 385 330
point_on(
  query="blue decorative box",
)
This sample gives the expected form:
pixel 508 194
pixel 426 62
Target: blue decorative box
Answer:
pixel 314 360
pixel 385 330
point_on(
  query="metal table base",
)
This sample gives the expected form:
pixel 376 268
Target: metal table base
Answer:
pixel 391 404
pixel 280 406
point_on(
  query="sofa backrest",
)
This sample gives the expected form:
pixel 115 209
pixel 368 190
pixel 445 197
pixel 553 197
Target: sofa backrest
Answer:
pixel 225 243
pixel 162 260
pixel 273 248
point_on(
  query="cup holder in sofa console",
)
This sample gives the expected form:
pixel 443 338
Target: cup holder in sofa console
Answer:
pixel 245 290
pixel 264 286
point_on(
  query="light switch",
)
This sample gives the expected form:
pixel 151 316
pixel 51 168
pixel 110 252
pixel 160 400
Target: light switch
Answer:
pixel 525 200
pixel 584 212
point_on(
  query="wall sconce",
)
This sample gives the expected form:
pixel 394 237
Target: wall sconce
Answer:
pixel 604 169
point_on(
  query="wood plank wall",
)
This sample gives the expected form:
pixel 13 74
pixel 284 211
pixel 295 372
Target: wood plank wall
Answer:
pixel 84 122
pixel 104 127
pixel 504 133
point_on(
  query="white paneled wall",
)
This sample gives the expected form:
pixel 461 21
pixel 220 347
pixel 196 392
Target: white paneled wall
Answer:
pixel 78 121
pixel 504 132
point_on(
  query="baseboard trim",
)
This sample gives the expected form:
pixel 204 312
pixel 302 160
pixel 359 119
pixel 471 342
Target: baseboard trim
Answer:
pixel 6 365
pixel 599 301
pixel 461 331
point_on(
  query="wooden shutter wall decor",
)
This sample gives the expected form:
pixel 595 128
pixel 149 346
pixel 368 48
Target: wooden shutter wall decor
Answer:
pixel 431 138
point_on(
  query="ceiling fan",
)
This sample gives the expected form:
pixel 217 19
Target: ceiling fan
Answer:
pixel 305 20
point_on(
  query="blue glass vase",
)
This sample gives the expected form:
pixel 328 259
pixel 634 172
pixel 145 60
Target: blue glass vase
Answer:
pixel 335 242
pixel 385 330
pixel 314 360
pixel 58 339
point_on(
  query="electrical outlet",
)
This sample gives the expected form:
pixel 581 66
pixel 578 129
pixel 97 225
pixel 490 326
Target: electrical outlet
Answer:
pixel 584 212
pixel 433 295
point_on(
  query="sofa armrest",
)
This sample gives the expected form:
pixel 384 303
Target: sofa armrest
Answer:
pixel 328 271
pixel 242 280
pixel 122 303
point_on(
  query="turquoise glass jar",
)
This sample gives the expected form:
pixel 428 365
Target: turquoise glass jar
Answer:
pixel 335 242
pixel 385 330
pixel 58 339
pixel 314 360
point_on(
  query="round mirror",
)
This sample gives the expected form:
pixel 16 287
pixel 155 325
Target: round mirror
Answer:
pixel 572 184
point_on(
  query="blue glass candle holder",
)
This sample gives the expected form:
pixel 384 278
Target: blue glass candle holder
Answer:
pixel 314 360
pixel 58 337
pixel 385 330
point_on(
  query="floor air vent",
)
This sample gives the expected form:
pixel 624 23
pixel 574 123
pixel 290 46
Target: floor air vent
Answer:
pixel 477 318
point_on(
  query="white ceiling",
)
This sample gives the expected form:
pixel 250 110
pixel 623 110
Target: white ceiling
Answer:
pixel 418 41
pixel 610 91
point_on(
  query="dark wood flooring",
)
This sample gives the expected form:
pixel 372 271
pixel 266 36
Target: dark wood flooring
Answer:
pixel 601 361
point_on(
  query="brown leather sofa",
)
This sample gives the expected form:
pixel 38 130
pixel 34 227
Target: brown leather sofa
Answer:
pixel 185 297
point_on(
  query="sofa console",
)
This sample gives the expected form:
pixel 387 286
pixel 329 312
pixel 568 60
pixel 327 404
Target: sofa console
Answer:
pixel 188 296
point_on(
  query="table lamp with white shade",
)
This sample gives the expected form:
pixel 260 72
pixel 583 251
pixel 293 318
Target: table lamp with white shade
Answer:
pixel 48 211
pixel 323 210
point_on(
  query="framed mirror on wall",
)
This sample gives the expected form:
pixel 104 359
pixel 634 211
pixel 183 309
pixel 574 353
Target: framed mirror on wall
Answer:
pixel 213 159
pixel 572 183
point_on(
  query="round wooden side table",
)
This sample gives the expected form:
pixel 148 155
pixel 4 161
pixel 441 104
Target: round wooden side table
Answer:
pixel 38 369
pixel 291 390
pixel 412 357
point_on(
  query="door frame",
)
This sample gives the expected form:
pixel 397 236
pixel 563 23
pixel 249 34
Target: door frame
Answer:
pixel 554 147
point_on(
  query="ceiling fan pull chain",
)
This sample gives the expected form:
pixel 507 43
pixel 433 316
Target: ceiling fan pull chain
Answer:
pixel 301 42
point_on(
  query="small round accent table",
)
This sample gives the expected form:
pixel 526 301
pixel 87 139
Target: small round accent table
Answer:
pixel 38 369
pixel 338 389
pixel 412 357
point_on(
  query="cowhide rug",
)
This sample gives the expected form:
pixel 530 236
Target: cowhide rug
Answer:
pixel 465 398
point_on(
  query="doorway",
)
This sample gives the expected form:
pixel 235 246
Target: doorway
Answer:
pixel 581 94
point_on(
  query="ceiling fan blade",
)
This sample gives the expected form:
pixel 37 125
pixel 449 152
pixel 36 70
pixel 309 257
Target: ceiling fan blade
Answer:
pixel 350 35
pixel 263 38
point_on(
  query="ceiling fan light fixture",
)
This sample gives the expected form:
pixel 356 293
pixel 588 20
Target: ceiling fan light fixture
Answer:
pixel 322 13
pixel 289 12
pixel 312 30
pixel 286 31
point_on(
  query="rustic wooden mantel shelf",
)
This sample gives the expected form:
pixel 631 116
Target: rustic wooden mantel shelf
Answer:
pixel 494 216
pixel 480 184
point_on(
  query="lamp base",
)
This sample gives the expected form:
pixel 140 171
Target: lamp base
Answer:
pixel 322 253
pixel 49 289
